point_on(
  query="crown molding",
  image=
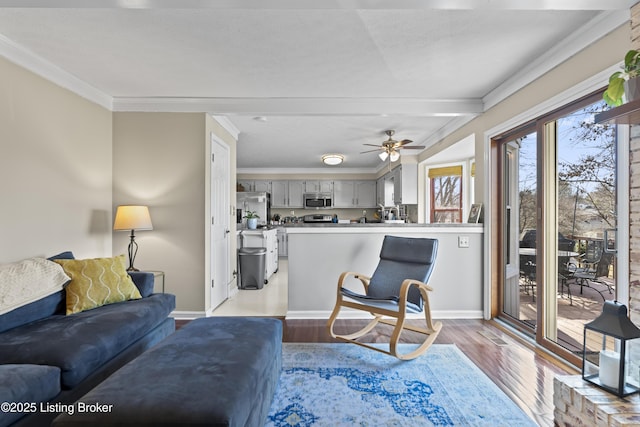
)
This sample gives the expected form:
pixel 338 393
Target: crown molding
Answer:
pixel 595 29
pixel 227 125
pixel 289 106
pixel 45 69
pixel 605 22
pixel 305 171
pixel 329 4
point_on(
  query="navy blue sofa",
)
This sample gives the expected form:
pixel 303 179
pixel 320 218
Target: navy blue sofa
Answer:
pixel 47 356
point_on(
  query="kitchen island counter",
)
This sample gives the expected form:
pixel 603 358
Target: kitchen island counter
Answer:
pixel 378 226
pixel 319 253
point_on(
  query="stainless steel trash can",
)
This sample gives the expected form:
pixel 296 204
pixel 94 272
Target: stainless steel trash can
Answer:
pixel 252 264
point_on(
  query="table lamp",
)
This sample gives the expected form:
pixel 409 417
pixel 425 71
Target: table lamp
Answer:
pixel 132 218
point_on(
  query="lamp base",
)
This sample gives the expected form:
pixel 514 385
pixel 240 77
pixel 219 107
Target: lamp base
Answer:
pixel 133 250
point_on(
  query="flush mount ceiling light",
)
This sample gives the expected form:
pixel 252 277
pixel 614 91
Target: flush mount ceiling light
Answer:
pixel 332 159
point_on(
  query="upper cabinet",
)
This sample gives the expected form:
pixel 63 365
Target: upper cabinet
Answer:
pixel 318 186
pixel 385 190
pixel 405 185
pixel 255 185
pixel 287 194
pixel 354 194
pixel 399 187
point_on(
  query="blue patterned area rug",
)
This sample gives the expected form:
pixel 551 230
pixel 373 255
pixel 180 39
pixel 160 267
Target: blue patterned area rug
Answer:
pixel 347 385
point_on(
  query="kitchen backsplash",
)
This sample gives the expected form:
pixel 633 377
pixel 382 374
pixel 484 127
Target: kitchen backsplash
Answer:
pixel 351 214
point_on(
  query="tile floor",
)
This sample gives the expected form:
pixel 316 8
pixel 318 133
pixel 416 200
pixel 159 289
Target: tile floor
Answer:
pixel 271 300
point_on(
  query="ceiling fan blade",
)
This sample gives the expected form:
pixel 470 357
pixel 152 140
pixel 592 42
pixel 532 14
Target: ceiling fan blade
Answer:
pixel 412 147
pixel 374 145
pixel 368 151
pixel 403 142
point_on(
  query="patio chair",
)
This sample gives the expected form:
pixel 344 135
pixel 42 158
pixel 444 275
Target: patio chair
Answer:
pixel 528 276
pixel 398 286
pixel 594 266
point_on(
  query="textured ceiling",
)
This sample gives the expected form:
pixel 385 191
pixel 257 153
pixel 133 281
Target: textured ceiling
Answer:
pixel 362 56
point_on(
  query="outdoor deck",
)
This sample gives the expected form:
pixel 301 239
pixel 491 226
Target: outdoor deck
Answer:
pixel 584 306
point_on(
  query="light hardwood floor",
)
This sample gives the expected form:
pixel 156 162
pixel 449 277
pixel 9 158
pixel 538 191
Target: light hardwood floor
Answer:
pixel 523 372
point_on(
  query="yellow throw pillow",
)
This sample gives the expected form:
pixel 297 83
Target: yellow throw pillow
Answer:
pixel 97 282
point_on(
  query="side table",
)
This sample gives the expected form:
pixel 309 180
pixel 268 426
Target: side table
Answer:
pixel 157 275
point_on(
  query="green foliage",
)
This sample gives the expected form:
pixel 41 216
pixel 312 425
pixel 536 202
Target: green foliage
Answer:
pixel 251 214
pixel 615 91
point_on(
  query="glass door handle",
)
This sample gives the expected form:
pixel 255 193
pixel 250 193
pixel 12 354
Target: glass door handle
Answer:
pixel 610 243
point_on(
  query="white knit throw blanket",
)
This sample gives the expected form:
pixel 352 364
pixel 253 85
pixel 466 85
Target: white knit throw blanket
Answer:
pixel 29 280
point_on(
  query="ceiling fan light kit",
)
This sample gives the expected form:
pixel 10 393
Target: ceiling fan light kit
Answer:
pixel 391 148
pixel 332 159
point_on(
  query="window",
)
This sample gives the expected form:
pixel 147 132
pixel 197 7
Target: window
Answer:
pixel 446 194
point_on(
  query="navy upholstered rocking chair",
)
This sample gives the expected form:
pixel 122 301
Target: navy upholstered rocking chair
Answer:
pixel 398 286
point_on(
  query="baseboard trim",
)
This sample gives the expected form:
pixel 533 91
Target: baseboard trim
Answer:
pixel 187 315
pixel 344 314
pixel 355 314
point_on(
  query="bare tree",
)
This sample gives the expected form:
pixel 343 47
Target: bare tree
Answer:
pixel 593 175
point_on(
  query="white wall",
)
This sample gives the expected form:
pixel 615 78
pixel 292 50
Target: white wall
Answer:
pixel 55 170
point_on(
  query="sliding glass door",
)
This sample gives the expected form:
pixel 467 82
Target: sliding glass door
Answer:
pixel 558 223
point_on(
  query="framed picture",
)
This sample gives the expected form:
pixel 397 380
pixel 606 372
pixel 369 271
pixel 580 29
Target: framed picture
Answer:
pixel 475 214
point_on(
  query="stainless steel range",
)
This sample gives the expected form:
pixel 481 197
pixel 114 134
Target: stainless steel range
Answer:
pixel 317 218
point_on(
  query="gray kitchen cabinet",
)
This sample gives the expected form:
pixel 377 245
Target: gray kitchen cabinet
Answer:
pixel 405 183
pixel 343 194
pixel 282 242
pixel 247 185
pixel 320 186
pixel 255 185
pixel 354 194
pixel 380 191
pixel 262 186
pixel 365 194
pixel 287 194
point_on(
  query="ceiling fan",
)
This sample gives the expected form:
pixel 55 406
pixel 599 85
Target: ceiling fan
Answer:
pixel 390 147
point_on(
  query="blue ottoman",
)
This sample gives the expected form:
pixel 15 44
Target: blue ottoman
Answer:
pixel 216 371
pixel 26 384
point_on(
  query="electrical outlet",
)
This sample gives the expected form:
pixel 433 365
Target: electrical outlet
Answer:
pixel 463 241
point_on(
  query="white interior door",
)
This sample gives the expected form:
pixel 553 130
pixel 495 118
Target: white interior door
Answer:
pixel 220 206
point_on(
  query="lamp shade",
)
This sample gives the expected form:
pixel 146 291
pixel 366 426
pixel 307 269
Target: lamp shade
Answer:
pixel 130 217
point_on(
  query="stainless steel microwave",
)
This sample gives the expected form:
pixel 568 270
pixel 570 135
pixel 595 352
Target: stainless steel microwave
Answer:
pixel 318 201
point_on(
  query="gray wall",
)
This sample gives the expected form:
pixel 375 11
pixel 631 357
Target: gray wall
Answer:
pixel 316 260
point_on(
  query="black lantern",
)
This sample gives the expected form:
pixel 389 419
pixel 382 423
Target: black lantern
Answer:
pixel 604 355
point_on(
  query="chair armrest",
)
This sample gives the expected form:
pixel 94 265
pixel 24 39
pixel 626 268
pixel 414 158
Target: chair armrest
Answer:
pixel 407 283
pixel 404 292
pixel 144 281
pixel 364 279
